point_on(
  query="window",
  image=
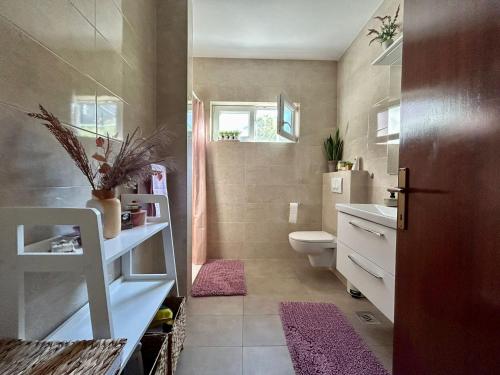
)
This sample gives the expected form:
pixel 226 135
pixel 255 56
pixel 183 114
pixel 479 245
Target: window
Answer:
pixel 254 122
pixel 287 124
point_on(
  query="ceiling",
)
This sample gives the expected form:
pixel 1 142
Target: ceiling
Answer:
pixel 278 29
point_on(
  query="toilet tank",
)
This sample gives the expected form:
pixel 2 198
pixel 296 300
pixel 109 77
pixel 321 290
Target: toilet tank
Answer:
pixel 354 190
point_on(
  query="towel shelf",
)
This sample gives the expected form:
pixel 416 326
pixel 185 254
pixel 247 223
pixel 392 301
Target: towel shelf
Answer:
pixel 119 309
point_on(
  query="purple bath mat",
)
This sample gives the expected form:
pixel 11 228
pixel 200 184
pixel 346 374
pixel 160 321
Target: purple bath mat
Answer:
pixel 322 342
pixel 220 278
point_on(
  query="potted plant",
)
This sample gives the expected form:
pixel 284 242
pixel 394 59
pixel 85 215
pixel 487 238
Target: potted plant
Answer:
pixel 235 135
pixel 388 30
pixel 334 148
pixel 107 169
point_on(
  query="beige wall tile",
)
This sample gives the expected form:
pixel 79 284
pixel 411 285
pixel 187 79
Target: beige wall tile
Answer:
pixel 225 174
pixel 354 190
pixel 226 232
pixel 224 250
pixel 265 212
pixel 225 193
pixel 58 26
pixel 271 194
pixel 226 212
pixel 266 232
pixel 267 250
pixel 271 175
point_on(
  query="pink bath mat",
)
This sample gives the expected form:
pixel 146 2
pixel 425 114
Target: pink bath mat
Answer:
pixel 321 341
pixel 220 278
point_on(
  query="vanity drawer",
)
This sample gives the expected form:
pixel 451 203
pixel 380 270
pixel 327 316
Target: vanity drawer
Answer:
pixel 375 283
pixel 373 241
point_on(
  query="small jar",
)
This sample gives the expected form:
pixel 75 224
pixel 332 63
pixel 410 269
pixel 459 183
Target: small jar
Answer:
pixel 139 218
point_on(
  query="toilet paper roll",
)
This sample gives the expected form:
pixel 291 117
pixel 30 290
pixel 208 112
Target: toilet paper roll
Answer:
pixel 294 210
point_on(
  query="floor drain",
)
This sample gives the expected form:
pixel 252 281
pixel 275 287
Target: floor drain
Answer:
pixel 367 317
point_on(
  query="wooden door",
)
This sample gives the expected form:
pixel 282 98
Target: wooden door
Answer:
pixel 447 315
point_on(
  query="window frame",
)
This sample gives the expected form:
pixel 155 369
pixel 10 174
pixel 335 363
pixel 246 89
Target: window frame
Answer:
pixel 284 102
pixel 248 107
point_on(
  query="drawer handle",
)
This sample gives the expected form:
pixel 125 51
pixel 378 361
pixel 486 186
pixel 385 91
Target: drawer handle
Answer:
pixel 378 234
pixel 357 263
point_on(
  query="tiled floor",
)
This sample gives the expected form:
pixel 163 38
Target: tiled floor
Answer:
pixel 243 335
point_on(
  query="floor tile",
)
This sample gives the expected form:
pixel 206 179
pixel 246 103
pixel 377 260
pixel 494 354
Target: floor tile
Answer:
pixel 210 361
pixel 268 305
pixel 215 305
pixel 269 268
pixel 321 281
pixel 375 334
pixel 262 330
pixel 214 330
pixel 275 286
pixel 271 360
pixel 261 305
pixel 384 355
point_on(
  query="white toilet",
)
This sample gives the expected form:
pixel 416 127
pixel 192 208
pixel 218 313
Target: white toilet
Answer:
pixel 319 246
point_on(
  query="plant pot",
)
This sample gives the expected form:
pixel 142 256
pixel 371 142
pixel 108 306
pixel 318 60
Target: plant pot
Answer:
pixel 387 43
pixel 332 165
pixel 110 208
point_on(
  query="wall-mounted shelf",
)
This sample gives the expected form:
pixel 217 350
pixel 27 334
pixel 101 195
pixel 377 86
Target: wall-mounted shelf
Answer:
pixel 121 309
pixel 133 305
pixel 393 55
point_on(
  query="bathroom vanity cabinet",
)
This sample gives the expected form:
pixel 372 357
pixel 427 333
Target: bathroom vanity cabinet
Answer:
pixel 366 252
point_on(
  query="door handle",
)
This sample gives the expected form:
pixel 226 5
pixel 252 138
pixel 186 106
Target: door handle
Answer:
pixel 378 234
pixel 402 190
pixel 357 263
pixel 396 190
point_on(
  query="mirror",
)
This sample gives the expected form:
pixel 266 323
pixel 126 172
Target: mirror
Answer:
pixel 394 120
pixel 384 126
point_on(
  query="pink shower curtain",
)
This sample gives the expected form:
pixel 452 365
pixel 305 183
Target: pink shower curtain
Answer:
pixel 199 198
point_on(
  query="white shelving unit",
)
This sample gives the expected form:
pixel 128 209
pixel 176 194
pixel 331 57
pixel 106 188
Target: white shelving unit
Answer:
pixel 393 55
pixel 121 309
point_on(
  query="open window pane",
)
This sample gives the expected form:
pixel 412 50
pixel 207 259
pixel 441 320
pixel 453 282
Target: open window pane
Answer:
pixel 287 126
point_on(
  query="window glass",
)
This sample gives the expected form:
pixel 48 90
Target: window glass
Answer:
pixel 265 125
pixel 234 121
pixel 394 120
pixel 287 115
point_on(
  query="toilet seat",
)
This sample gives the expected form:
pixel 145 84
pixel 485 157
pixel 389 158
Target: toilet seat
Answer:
pixel 319 246
pixel 312 237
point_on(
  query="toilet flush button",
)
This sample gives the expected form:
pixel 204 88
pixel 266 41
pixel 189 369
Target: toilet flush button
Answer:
pixel 336 185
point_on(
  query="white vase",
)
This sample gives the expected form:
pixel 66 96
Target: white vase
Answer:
pixel 387 43
pixel 110 208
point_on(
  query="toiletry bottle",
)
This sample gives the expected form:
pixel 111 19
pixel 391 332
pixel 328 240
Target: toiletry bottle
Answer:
pixel 392 201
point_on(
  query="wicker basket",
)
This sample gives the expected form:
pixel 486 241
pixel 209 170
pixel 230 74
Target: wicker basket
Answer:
pixel 97 357
pixel 176 333
pixel 155 353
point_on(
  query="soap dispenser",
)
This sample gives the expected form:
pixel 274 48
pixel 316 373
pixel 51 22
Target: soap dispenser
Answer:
pixel 392 201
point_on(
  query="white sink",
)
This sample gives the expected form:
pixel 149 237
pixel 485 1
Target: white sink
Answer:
pixel 378 214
